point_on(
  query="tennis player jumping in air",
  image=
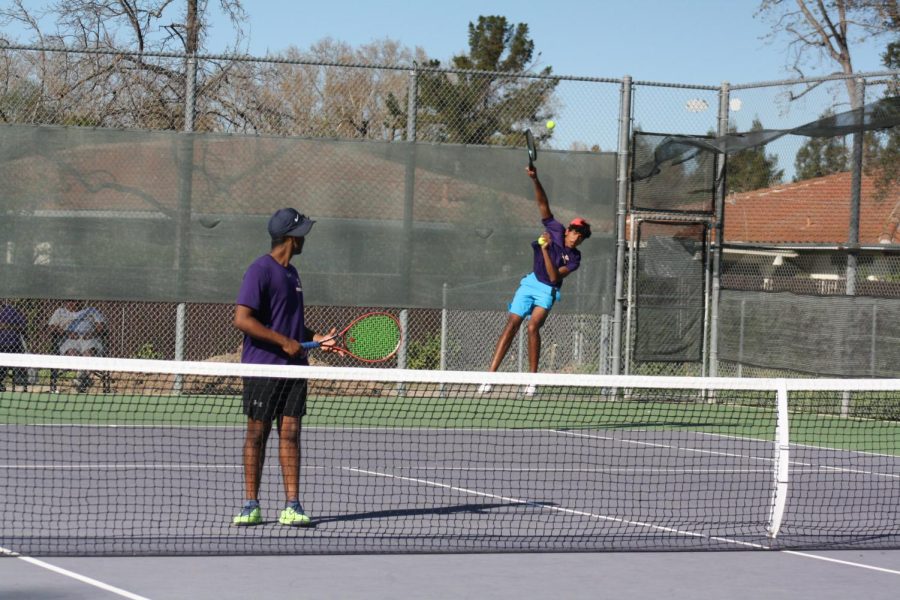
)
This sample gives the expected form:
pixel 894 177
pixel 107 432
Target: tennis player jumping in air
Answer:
pixel 269 312
pixel 556 256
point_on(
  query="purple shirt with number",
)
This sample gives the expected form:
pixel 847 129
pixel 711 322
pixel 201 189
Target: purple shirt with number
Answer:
pixel 275 295
pixel 559 254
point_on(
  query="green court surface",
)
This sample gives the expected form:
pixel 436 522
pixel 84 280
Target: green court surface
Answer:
pixel 390 407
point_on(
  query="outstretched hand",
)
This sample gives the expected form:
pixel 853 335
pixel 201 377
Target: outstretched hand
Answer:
pixel 328 343
pixel 532 171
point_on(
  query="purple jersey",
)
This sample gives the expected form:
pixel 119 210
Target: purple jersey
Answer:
pixel 559 254
pixel 275 295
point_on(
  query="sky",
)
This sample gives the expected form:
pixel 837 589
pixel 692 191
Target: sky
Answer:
pixel 688 41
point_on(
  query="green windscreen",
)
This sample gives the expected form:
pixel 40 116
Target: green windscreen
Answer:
pixel 167 216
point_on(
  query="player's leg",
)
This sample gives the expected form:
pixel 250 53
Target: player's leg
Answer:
pixel 258 406
pixel 289 455
pixel 294 407
pixel 544 297
pixel 54 373
pixel 85 378
pixel 513 322
pixel 254 453
pixel 538 318
pixel 95 348
pixel 519 308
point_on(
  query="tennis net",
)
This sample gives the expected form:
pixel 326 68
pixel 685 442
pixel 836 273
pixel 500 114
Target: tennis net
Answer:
pixel 135 457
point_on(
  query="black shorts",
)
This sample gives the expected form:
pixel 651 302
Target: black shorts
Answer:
pixel 266 398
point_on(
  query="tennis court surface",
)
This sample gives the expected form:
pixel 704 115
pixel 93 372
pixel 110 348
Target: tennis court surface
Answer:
pixel 144 458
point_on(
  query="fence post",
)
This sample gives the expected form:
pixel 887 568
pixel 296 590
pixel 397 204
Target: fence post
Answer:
pixel 855 192
pixel 409 191
pixel 444 327
pixel 740 365
pixel 718 243
pixel 401 353
pixel 604 344
pixel 621 210
pixel 186 171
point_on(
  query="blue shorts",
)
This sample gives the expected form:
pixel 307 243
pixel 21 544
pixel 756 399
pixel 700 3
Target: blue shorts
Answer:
pixel 532 293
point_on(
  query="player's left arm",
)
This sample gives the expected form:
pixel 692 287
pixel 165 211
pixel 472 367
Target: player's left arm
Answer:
pixel 570 268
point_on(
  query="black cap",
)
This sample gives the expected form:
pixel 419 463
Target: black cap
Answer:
pixel 289 222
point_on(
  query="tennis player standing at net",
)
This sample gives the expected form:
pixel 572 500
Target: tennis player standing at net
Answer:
pixel 269 312
pixel 556 256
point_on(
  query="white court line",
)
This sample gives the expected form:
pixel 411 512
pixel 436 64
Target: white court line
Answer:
pixel 77 576
pixel 183 467
pixel 793 463
pixel 841 562
pixel 558 509
pixel 621 520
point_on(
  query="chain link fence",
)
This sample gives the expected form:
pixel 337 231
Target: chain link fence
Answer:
pixel 140 186
pixel 171 164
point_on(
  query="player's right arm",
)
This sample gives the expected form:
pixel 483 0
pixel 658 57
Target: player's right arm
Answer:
pixel 552 271
pixel 539 194
pixel 245 320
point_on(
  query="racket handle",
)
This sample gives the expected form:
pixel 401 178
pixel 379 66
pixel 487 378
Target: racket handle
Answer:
pixel 310 345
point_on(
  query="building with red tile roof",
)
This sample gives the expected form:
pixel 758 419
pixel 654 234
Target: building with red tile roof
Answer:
pixel 813 211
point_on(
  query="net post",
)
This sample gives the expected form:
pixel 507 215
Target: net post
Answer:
pixel 781 462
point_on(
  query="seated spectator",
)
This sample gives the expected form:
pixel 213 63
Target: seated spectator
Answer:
pixel 79 330
pixel 12 341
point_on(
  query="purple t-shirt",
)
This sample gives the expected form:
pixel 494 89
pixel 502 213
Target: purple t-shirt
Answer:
pixel 275 295
pixel 559 254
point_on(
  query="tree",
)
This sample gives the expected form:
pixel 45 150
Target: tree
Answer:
pixel 120 89
pixel 477 104
pixel 884 162
pixel 827 29
pixel 324 100
pixel 751 169
pixel 821 156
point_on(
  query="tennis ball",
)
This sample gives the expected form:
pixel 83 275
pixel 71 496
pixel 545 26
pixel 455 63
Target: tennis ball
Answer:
pixel 551 124
pixel 541 242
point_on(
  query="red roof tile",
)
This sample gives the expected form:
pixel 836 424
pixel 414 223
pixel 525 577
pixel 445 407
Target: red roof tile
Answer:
pixel 813 211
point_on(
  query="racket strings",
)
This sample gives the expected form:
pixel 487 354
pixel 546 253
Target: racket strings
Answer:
pixel 373 338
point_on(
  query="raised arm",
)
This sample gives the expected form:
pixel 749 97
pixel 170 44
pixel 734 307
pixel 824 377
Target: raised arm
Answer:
pixel 539 194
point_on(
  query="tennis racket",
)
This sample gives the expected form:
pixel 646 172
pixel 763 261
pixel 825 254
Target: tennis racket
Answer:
pixel 532 149
pixel 373 337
